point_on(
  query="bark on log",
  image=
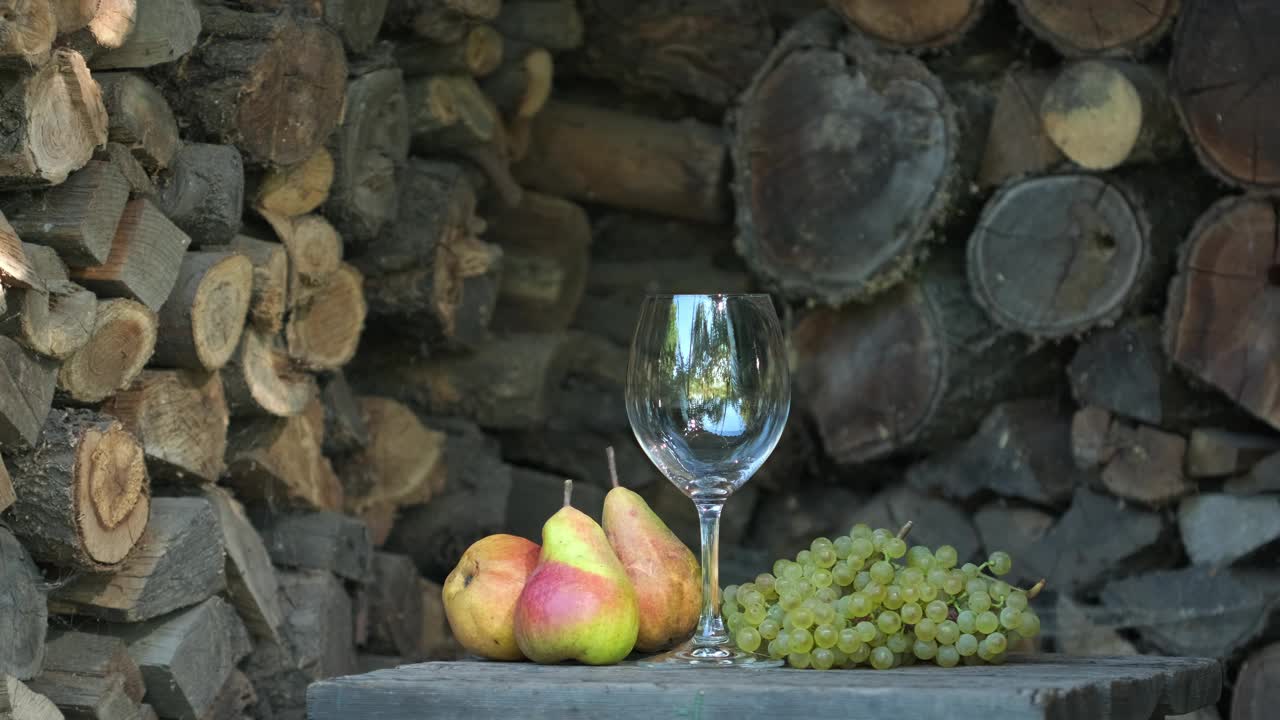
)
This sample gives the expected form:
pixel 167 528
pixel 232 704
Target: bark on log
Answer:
pixel 201 322
pixel 1221 321
pixel 1234 144
pixel 20 702
pixel 1099 27
pixel 204 192
pixel 77 218
pixel 368 152
pixel 521 85
pixel 122 159
pixel 704 48
pixel 356 21
pixel 440 20
pixel 914 23
pixel 614 158
pixel 83 492
pixel 315 253
pixel 1257 691
pixel 90 676
pixel 346 429
pixel 123 339
pixel 56 119
pixel 793 178
pixel 326 541
pixel 23 611
pixel 271 84
pixel 260 379
pixel 545 255
pixel 95 26
pixel 324 332
pixel 181 419
pixel 270 294
pixel 277 462
pixel 164 31
pixel 299 189
pixel 1017 144
pixel 140 118
pixel 395 608
pixel 251 580
pixel 146 257
pixel 29 33
pixel 478 53
pixel 6 488
pixel 55 319
pixel 178 562
pixel 1212 452
pixel 27 383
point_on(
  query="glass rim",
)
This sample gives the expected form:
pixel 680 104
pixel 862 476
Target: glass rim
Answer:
pixel 659 296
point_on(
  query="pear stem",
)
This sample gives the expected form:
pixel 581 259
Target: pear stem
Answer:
pixel 568 491
pixel 613 466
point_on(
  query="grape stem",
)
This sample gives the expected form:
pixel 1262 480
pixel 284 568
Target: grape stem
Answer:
pixel 902 534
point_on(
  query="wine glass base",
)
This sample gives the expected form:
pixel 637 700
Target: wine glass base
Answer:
pixel 688 656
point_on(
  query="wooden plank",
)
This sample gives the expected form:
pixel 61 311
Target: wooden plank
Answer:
pixel 1026 687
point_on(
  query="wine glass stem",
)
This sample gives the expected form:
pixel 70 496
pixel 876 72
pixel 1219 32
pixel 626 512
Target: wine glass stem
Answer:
pixel 710 632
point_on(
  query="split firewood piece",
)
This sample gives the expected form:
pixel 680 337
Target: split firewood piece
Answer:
pixel 545 254
pixel 440 20
pixel 298 189
pixel 477 54
pixel 278 462
pixel 19 702
pixel 141 118
pixel 346 429
pixel 521 85
pixel 77 218
pixel 1220 323
pixel 1213 452
pixel 122 159
pixel 1219 529
pixel 252 585
pixel 56 118
pixel 30 28
pixel 6 488
pixel 270 294
pixel 178 562
pixel 15 269
pixel 368 152
pixel 146 257
pixel 181 419
pixel 83 492
pixel 261 379
pixel 88 696
pixel 911 24
pixel 327 541
pixel 203 193
pixel 272 84
pixel 164 31
pixel 54 319
pixel 24 613
pixel 1099 27
pixel 1146 464
pixel 315 252
pixel 395 608
pixel 1017 144
pixel 324 332
pixel 357 21
pixel 1091 437
pixel 201 322
pixel 90 676
pixel 27 382
pixel 123 339
pixel 1103 114
pixel 1257 691
pixel 95 26
pixel 403 463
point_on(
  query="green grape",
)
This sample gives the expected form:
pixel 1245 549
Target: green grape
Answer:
pixel 882 658
pixel 825 636
pixel 856 564
pixel 800 640
pixel 976 585
pixel 967 620
pixel 780 567
pixel 784 585
pixel 882 572
pixel 898 642
pixel 1000 562
pixel 947 657
pixel 862 548
pixel 948 632
pixel 954 584
pixel 776 613
pixel 997 642
pixel 987 622
pixel 789 600
pixel 821 578
pixel 861 654
pixel 848 641
pixel 777 649
pixel 859 605
pixel 765 582
pixel 911 576
pixel 750 597
pixel 1028 624
pixel 806 588
pixel 729 596
pixel 755 614
pixel 822 659
pixel 936 611
pixel 839 659
pixel 946 557
pixel 819 543
pixel 928 593
pixel 910 594
pixel 910 612
pixel 860 530
pixel 874 592
pixel 794 571
pixel 824 614
pixel 801 617
pixel 866 631
pixel 924 649
pixel 1016 600
pixel 799 661
pixel 936 576
pixel 769 629
pixel 895 547
pixel 966 645
pixel 970 570
pixel 734 621
pixel 979 601
pixel 889 622
pixel 879 536
pixel 808 569
pixel 926 629
pixel 1009 618
pixel 842 545
pixel 919 556
pixel 861 579
pixel 842 575
pixel 804 557
pixel 999 590
pixel 892 597
pixel 748 639
pixel 824 558
pixel 842 606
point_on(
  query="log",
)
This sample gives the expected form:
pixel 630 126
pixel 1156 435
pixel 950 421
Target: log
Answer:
pixel 19 702
pixel 913 24
pixel 800 235
pixel 1220 529
pixel 1001 525
pixel 1263 478
pixel 1255 694
pixel 478 53
pixel 707 48
pixel 949 365
pixel 1103 114
pixel 440 20
pixel 29 35
pixel 83 492
pixel 1091 446
pixel 272 84
pixel 201 322
pixel 123 339
pixel 811 513
pixel 140 184
pixel 141 118
pixel 270 291
pixel 164 31
pixel 56 119
pixel 234 700
pixel 260 379
pixel 369 150
pixel 1145 465
pixel 552 24
pixel 181 419
pixel 1099 27
pixel 146 257
pixel 277 462
pixel 23 612
pixel 6 488
pixel 252 586
pixel 27 383
pixel 1220 323
pixel 178 562
pixel 402 465
pixel 90 676
pixel 77 218
pixel 325 541
pixel 1017 143
pixel 356 21
pixel 95 26
pixel 299 189
pixel 315 253
pixel 1214 453
pixel 320 628
pixel 437 641
pixel 324 333
pixel 346 429
pixel 54 319
pixel 936 521
pixel 545 255
pixel 203 192
pixel 521 85
pixel 395 608
pixel 1077 634
pixel 675 169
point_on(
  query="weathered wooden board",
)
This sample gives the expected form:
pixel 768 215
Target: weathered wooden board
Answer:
pixel 1028 686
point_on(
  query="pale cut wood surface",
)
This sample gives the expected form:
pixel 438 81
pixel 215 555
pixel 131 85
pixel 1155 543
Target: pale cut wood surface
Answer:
pixel 1037 686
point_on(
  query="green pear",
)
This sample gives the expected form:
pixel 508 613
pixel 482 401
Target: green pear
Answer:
pixel 578 603
pixel 662 569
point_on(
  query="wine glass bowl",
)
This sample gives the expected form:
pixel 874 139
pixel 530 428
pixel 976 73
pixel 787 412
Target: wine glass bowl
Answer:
pixel 708 395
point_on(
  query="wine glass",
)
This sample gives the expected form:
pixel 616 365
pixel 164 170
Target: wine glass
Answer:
pixel 708 394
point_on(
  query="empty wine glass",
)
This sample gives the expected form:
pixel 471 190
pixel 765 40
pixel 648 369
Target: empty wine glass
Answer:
pixel 708 394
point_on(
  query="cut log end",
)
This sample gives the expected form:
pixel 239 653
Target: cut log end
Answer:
pixel 29 31
pixel 324 333
pixel 1093 114
pixel 181 419
pixel 261 379
pixel 297 189
pixel 201 322
pixel 123 340
pixel 912 23
pixel 1099 27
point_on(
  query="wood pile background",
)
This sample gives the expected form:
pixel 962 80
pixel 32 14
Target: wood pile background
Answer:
pixel 302 297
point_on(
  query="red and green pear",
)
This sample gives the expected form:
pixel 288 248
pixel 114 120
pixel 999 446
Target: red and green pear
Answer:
pixel 480 594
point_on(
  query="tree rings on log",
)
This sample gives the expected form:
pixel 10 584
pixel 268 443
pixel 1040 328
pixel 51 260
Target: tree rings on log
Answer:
pixel 201 322
pixel 1078 28
pixel 123 340
pixel 297 189
pixel 324 332
pixel 833 204
pixel 261 379
pixel 912 23
pixel 181 419
pixel 1054 256
pixel 29 30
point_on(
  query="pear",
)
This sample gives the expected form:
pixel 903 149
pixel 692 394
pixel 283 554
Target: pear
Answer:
pixel 663 570
pixel 578 603
pixel 480 594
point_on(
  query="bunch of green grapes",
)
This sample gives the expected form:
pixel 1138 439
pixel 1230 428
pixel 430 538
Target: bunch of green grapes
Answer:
pixel 867 599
